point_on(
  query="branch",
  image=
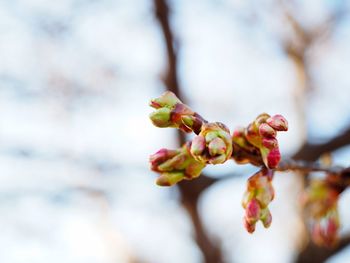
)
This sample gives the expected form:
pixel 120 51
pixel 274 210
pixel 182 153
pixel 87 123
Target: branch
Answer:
pixel 189 193
pixel 311 152
pixel 170 80
pixel 313 253
pixel 307 167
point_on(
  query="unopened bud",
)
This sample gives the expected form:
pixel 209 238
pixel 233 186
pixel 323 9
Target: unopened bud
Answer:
pixel 321 205
pixel 270 143
pixel 175 165
pixel 257 198
pixel 213 145
pixel 171 112
pixel 266 217
pixel 278 122
pixel 273 158
pixel 161 117
pixel 266 130
pixel 160 157
pixel 253 210
pixel 198 145
pixel 167 99
pixel 250 227
pixel 217 146
pixel 261 133
pixel 169 179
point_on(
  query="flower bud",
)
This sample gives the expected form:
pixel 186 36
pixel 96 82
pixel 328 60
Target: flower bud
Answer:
pixel 213 144
pixel 167 99
pixel 175 165
pixel 192 122
pixel 253 210
pixel 161 117
pixel 321 207
pixel 266 217
pixel 262 132
pixel 325 231
pixel 270 143
pixel 273 157
pixel 256 199
pixel 198 145
pixel 171 112
pixel 217 147
pixel 160 157
pixel 249 226
pixel 278 122
pixel 266 130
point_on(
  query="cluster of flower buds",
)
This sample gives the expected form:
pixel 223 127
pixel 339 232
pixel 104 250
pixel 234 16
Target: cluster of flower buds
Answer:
pixel 321 206
pixel 256 144
pixel 171 112
pixel 258 141
pixel 175 165
pixel 213 144
pixel 256 199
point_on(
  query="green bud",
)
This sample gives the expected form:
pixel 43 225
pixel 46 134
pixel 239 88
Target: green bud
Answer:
pixel 161 117
pixel 266 217
pixel 188 120
pixel 198 145
pixel 167 99
pixel 169 179
pixel 211 135
pixel 175 163
pixel 217 146
pixel 218 159
pixel 194 169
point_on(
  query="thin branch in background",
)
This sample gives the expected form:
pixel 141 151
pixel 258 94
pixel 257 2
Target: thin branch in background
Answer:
pixel 297 52
pixel 313 253
pixel 311 152
pixel 189 193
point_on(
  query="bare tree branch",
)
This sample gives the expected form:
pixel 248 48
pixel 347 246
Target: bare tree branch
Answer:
pixel 313 253
pixel 311 152
pixel 297 51
pixel 189 193
pixel 308 152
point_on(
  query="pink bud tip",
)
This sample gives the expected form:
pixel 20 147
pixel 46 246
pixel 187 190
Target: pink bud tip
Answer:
pixel 278 122
pixel 238 133
pixel 253 210
pixel 250 227
pixel 217 146
pixel 266 130
pixel 155 104
pixel 161 156
pixel 267 219
pixel 270 143
pixel 198 145
pixel 273 158
pixel 331 228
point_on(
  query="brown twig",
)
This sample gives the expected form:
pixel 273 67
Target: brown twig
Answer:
pixel 313 253
pixel 297 52
pixel 189 194
pixel 307 167
pixel 311 152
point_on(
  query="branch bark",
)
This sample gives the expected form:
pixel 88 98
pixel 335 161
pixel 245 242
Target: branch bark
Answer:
pixel 311 152
pixel 314 254
pixel 189 193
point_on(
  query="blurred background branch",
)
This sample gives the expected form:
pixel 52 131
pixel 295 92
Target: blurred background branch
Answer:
pixel 190 193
